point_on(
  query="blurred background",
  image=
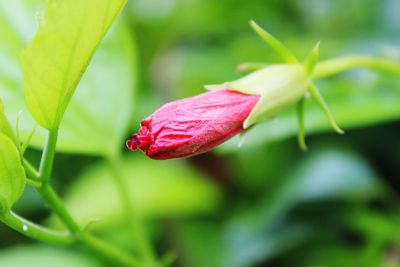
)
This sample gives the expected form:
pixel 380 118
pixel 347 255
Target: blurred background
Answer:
pixel 264 204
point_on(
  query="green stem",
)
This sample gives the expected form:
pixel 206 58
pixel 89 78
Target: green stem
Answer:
pixel 50 236
pixel 56 205
pixel 35 231
pixel 31 172
pixel 46 191
pixel 97 246
pixel 330 67
pixel 337 65
pixel 34 183
pixel 46 163
pixel 300 118
pixel 107 251
pixel 133 217
pixel 101 248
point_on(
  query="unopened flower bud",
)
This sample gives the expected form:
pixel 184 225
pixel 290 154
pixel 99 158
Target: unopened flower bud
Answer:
pixel 194 125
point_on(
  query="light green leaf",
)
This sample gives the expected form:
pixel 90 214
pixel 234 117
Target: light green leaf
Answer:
pixel 156 189
pixel 95 121
pixel 12 174
pixel 15 28
pixel 5 127
pixel 55 60
pixel 44 256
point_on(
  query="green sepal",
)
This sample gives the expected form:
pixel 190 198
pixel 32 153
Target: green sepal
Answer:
pixel 275 44
pixel 312 59
pixel 279 86
pixel 12 174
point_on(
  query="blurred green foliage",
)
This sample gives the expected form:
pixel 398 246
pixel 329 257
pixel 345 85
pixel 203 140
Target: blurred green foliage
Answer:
pixel 156 189
pixel 264 204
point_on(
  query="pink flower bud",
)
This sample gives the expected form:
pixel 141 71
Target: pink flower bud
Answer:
pixel 193 125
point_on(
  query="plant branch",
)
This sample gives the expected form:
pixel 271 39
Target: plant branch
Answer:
pixel 337 65
pixel 98 246
pixel 34 183
pixel 35 231
pixel 31 172
pixel 46 163
pixel 57 206
pixel 330 67
pixel 108 251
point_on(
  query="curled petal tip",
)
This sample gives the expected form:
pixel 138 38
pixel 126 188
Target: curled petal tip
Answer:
pixel 132 145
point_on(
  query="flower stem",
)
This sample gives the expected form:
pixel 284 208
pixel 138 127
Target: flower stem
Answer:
pixel 43 234
pixel 31 172
pixel 99 247
pixel 46 163
pixel 57 206
pixel 330 67
pixel 337 65
pixel 35 231
pixel 107 251
pixel 34 183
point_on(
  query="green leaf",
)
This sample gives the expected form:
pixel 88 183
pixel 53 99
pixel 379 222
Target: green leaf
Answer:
pixel 55 60
pixel 44 256
pixel 5 127
pixel 95 122
pixel 15 27
pixel 156 189
pixel 12 174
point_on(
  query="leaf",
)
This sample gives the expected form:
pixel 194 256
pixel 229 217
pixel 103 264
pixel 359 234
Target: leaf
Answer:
pixel 14 29
pixel 5 127
pixel 44 256
pixel 12 174
pixel 95 121
pixel 156 189
pixel 55 60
